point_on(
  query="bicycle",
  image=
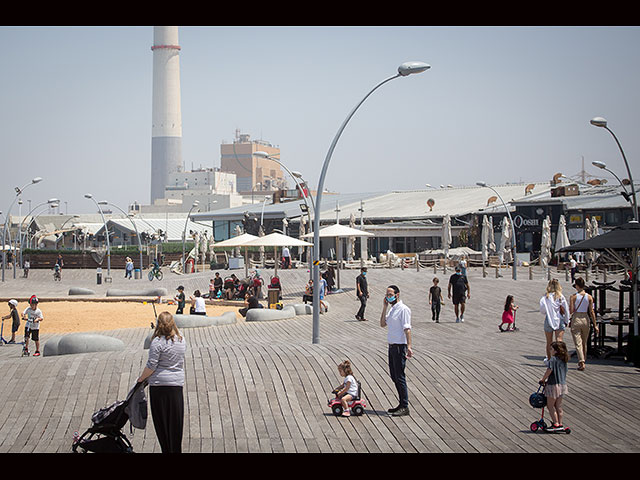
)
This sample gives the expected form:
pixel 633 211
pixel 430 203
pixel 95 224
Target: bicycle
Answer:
pixel 155 272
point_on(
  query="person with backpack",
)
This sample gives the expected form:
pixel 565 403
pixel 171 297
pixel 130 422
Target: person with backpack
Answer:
pixel 15 317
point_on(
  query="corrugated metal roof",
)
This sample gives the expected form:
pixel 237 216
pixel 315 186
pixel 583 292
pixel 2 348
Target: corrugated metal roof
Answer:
pixel 173 227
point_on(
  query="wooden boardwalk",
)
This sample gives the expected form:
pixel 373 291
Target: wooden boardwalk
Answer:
pixel 263 387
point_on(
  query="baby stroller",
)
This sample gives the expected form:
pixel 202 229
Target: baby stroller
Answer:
pixel 105 435
pixel 275 285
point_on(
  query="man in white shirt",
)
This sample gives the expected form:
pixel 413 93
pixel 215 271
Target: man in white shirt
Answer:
pixel 396 317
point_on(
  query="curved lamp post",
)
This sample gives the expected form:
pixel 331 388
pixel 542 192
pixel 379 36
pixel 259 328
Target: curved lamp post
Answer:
pixel 295 176
pixel 184 232
pixel 51 201
pixel 602 123
pixel 513 228
pixel 106 231
pixel 404 70
pixel 626 194
pixel 135 228
pixel 4 230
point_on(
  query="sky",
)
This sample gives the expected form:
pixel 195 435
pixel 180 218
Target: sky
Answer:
pixel 499 104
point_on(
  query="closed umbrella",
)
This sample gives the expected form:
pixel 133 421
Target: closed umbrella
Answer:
pixel 446 234
pixel 587 236
pixel 562 239
pixel 505 237
pixel 594 233
pixel 485 238
pixel 545 244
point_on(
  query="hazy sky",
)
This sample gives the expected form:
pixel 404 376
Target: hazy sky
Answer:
pixel 500 104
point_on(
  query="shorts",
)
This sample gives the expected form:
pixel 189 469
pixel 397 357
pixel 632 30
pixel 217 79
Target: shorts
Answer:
pixel 35 334
pixel 458 298
pixel 549 329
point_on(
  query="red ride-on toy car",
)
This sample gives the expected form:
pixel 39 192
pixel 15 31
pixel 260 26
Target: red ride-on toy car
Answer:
pixel 357 405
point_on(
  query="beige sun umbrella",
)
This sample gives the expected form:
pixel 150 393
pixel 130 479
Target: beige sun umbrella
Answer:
pixel 276 240
pixel 239 241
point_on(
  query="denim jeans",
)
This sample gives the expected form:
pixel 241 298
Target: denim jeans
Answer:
pixel 397 361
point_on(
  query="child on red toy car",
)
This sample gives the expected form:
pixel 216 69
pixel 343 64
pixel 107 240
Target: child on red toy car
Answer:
pixel 349 388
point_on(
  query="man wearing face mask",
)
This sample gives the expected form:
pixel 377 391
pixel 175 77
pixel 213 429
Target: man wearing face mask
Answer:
pixel 362 291
pixel 396 316
pixel 460 286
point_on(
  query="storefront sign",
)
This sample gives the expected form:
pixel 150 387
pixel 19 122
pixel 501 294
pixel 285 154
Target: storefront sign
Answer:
pixel 519 221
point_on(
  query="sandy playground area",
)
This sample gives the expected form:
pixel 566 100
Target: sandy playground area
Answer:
pixel 78 316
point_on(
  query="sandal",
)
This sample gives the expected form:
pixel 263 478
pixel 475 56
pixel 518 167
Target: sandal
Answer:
pixel 581 366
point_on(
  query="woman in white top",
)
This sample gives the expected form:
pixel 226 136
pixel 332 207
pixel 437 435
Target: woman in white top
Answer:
pixel 556 309
pixel 581 310
pixel 198 306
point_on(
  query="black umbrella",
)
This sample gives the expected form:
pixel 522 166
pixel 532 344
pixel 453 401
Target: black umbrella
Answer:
pixel 624 237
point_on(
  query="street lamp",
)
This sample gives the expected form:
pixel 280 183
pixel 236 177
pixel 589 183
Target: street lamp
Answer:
pixel 184 232
pixel 106 231
pixel 295 175
pixel 513 228
pixel 135 228
pixel 51 201
pixel 4 229
pixel 404 70
pixel 625 194
pixel 602 123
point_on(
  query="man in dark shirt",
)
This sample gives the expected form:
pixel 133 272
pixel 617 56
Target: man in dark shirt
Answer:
pixel 180 299
pixel 459 284
pixel 362 291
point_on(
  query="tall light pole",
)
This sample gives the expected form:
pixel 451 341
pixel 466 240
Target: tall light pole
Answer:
pixel 295 176
pixel 602 123
pixel 135 228
pixel 106 231
pixel 513 228
pixel 4 230
pixel 404 70
pixel 50 202
pixel 184 232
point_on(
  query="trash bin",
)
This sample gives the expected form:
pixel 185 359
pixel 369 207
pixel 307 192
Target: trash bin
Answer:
pixel 136 274
pixel 273 296
pixel 99 276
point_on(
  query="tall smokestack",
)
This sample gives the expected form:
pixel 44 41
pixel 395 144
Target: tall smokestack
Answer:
pixel 166 132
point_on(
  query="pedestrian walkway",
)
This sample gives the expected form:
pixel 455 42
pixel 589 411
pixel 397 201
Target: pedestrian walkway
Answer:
pixel 264 386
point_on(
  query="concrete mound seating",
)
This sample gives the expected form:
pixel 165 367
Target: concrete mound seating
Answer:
pixel 268 314
pixel 80 291
pixel 81 343
pixel 303 309
pixel 150 292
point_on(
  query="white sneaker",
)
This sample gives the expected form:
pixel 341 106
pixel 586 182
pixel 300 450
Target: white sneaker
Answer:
pixel 462 319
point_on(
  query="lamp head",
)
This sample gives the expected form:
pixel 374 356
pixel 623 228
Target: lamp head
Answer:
pixel 36 180
pixel 601 165
pixel 598 122
pixel 53 200
pixel 409 68
pixel 88 195
pixel 481 184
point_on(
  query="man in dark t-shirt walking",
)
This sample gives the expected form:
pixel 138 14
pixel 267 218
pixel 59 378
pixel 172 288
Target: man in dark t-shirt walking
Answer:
pixel 460 286
pixel 362 291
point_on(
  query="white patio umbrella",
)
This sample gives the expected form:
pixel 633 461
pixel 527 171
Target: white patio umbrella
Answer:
pixel 338 230
pixel 239 241
pixel 562 238
pixel 446 234
pixel 545 243
pixel 505 237
pixel 594 233
pixel 276 240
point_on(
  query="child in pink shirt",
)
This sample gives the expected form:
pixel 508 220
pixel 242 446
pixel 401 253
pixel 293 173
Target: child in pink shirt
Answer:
pixel 508 314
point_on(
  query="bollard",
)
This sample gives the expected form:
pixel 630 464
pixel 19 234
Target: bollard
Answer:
pixel 484 271
pixel 586 274
pixel 99 276
pixel 497 274
pixel 530 273
pixel 435 268
pixel 604 273
pixel 566 274
pixel 548 273
pixel 417 264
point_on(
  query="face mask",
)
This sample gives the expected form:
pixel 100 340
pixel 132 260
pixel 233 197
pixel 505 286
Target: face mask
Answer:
pixel 391 299
pixel 364 274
